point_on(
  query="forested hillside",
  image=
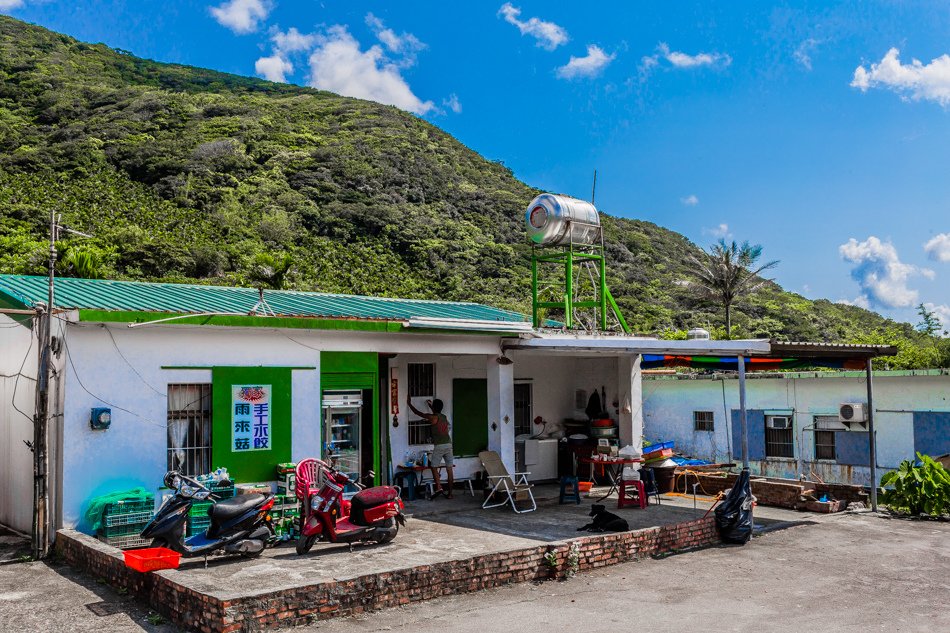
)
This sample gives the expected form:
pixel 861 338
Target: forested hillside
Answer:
pixel 184 174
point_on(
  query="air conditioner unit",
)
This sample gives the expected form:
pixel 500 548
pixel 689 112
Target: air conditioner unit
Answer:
pixel 779 422
pixel 853 414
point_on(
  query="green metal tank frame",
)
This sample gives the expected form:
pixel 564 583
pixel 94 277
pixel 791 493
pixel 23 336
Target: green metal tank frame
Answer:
pixel 568 257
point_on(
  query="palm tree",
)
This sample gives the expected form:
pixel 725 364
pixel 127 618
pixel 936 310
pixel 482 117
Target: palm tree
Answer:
pixel 725 274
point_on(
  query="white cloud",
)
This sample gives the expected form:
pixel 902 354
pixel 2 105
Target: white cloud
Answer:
pixel 881 274
pixel 453 103
pixel 860 301
pixel 404 44
pixel 914 80
pixel 292 41
pixel 683 60
pixel 548 34
pixel 589 66
pixel 9 5
pixel 938 248
pixel 804 51
pixel 339 65
pixel 690 201
pixel 680 60
pixel 273 68
pixel 241 16
pixel 720 231
pixel 286 44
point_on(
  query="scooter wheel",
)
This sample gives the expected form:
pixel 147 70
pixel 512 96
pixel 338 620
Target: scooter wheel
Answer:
pixel 304 543
pixel 390 524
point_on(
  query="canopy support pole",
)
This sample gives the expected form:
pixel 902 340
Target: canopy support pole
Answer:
pixel 743 423
pixel 872 438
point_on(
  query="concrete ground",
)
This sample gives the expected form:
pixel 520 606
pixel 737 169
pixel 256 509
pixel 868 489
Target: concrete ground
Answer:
pixel 438 530
pixel 13 547
pixel 843 573
pixel 834 573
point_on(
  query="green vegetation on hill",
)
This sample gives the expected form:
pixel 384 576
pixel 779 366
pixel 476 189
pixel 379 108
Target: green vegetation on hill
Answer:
pixel 184 174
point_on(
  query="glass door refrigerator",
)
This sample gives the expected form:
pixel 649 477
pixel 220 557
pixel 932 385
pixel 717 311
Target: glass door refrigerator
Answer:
pixel 342 417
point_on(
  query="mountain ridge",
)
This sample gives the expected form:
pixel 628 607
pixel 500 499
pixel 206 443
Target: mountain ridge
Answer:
pixel 188 174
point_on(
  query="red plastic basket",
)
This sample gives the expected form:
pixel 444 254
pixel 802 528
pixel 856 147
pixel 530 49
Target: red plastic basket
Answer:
pixel 151 559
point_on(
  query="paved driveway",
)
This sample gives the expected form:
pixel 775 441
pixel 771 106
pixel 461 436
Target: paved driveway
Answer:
pixel 844 573
pixel 847 573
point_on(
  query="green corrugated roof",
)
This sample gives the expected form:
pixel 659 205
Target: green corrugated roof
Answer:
pixel 136 296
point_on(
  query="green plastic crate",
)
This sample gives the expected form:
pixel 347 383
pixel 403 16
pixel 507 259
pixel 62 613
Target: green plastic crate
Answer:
pixel 128 507
pixel 197 525
pixel 128 529
pixel 126 542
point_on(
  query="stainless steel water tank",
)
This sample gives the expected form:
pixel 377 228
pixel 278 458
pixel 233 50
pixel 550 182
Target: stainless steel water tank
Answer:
pixel 697 334
pixel 554 220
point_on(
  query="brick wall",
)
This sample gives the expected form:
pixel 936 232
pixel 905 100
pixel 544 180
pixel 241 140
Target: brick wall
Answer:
pixel 181 605
pixel 306 604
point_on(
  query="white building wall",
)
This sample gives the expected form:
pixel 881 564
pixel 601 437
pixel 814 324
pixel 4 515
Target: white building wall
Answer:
pixel 16 460
pixel 669 405
pixel 129 377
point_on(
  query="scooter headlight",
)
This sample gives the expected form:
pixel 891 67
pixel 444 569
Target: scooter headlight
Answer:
pixel 315 503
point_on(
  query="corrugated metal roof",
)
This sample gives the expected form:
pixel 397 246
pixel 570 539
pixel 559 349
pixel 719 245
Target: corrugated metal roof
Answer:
pixel 107 295
pixel 806 349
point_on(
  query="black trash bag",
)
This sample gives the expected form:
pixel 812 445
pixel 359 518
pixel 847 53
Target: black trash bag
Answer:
pixel 734 514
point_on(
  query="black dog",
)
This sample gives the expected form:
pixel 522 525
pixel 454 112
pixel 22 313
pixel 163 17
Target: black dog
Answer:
pixel 604 521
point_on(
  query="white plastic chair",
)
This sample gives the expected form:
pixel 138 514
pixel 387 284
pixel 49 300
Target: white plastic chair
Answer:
pixel 505 485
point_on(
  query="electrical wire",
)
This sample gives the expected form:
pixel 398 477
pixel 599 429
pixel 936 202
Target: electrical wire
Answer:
pixel 69 357
pixel 134 370
pixel 16 383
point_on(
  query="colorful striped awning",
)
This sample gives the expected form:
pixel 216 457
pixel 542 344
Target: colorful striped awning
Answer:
pixel 726 363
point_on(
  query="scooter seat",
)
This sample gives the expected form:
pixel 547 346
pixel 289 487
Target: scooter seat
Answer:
pixel 235 506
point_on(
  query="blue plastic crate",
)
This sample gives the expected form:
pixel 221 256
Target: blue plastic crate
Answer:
pixel 657 447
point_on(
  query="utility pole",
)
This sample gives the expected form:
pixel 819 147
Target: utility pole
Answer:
pixel 44 380
pixel 41 417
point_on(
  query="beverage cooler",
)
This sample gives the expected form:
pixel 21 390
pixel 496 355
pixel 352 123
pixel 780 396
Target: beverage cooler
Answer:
pixel 342 420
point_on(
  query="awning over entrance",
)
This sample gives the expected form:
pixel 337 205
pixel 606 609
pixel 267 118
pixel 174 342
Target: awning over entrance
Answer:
pixel 604 344
pixel 739 356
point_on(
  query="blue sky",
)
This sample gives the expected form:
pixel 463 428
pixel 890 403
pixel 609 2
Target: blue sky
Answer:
pixel 819 130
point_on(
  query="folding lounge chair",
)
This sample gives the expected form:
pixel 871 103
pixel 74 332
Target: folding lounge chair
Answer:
pixel 508 487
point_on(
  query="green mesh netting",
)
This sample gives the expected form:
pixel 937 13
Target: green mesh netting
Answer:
pixel 98 504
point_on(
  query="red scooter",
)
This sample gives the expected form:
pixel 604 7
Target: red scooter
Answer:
pixel 373 514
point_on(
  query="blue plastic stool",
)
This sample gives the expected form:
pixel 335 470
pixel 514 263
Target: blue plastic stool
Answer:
pixel 407 481
pixel 565 496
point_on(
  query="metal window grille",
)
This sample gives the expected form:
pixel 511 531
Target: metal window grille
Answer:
pixel 189 428
pixel 421 385
pixel 420 432
pixel 779 442
pixel 703 421
pixel 421 380
pixel 523 416
pixel 825 445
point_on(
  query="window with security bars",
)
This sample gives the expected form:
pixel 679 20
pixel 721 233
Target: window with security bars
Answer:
pixel 421 380
pixel 824 437
pixel 779 437
pixel 703 421
pixel 825 445
pixel 523 418
pixel 189 428
pixel 422 386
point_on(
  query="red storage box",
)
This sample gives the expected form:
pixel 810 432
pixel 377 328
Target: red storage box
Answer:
pixel 151 559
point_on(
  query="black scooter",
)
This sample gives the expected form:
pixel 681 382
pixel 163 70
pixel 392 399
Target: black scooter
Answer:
pixel 241 525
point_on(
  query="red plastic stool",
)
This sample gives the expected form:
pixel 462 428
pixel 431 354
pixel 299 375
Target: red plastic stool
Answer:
pixel 632 493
